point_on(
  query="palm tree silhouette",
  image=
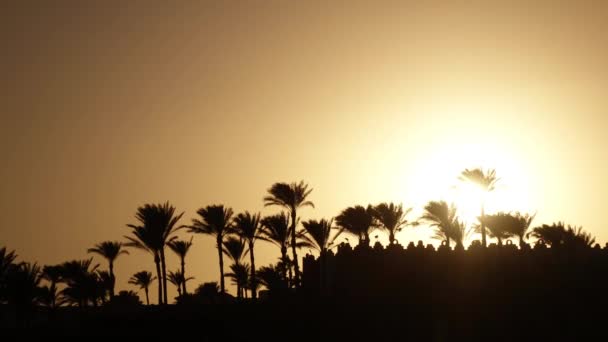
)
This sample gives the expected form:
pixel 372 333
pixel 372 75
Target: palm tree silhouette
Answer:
pixel 240 276
pixel 216 220
pixel 319 234
pixel 291 197
pixel 22 289
pixel 178 279
pixel 391 218
pixel 442 217
pixel 498 225
pixel 270 277
pixel 6 263
pixel 560 235
pixel 487 182
pixel 181 248
pixel 248 227
pixel 143 279
pixel 156 229
pixel 82 282
pixel 51 297
pixel 110 250
pixel 520 226
pixel 235 249
pixel 276 229
pixel 358 221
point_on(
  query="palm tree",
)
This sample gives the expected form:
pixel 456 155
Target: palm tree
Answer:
pixel 248 227
pixel 442 217
pixel 157 225
pixel 520 226
pixel 486 180
pixel 178 279
pixel 270 277
pixel 181 248
pixel 52 274
pixel 22 289
pixel 110 250
pixel 235 248
pixel 276 229
pixel 558 234
pixel 358 221
pixel 392 218
pixel 6 263
pixel 291 197
pixel 320 235
pixel 216 220
pixel 82 283
pixel 240 276
pixel 498 225
pixel 143 279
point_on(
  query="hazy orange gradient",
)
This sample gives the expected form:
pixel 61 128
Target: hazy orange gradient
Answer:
pixel 109 105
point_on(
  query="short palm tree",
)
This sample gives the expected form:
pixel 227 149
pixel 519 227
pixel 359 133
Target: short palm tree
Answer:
pixel 82 282
pixel 51 274
pixel 321 235
pixel 442 217
pixel 157 224
pixel 248 227
pixel 558 234
pixel 235 248
pixel 499 225
pixel 178 279
pixel 216 220
pixel 291 197
pixel 143 279
pixel 110 250
pixel 22 289
pixel 391 218
pixel 486 180
pixel 358 221
pixel 276 229
pixel 240 276
pixel 181 248
pixel 520 226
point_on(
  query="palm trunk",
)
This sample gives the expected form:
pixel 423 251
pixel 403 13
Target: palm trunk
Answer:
pixel 184 274
pixel 254 294
pixel 296 267
pixel 160 278
pixel 448 241
pixel 147 298
pixel 483 227
pixel 221 255
pixel 284 259
pixel 391 238
pixel 164 266
pixel 113 280
pixel 521 242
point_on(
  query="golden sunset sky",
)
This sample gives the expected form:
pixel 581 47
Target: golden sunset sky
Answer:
pixel 107 105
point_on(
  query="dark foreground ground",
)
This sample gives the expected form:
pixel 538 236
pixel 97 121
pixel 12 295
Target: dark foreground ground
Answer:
pixel 307 319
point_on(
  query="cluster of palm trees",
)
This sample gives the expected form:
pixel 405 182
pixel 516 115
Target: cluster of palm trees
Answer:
pixel 236 236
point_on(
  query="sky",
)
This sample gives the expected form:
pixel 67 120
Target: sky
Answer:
pixel 108 105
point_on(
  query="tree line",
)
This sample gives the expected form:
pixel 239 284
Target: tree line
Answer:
pixel 83 283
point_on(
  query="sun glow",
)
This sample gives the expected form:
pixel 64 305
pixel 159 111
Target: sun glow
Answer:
pixel 437 178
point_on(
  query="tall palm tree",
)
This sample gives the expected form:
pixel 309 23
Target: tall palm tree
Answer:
pixel 486 180
pixel 181 248
pixel 157 226
pixel 248 227
pixel 391 218
pixel 110 250
pixel 235 248
pixel 276 229
pixel 291 197
pixel 358 221
pixel 442 217
pixel 216 220
pixel 143 279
